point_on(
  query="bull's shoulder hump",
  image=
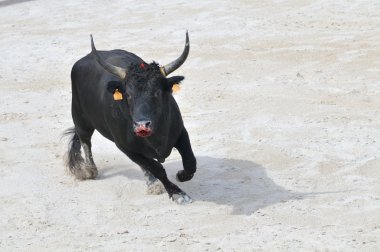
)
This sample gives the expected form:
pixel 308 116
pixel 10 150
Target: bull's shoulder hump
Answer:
pixel 118 53
pixel 121 54
pixel 117 57
pixel 125 55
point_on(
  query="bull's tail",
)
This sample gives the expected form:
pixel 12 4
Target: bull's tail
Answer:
pixel 74 160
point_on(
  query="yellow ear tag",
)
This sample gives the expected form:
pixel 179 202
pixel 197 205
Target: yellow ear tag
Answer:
pixel 176 88
pixel 117 96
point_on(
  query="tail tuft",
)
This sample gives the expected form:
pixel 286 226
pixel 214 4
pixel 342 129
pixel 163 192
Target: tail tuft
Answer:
pixel 74 159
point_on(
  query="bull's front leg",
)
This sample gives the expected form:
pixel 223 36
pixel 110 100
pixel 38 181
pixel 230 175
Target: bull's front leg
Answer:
pixel 154 186
pixel 188 159
pixel 158 171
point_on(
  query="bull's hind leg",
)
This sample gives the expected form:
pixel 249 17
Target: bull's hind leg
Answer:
pixel 81 168
pixel 89 170
pixel 158 171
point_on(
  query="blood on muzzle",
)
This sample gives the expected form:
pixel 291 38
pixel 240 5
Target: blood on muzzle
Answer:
pixel 143 128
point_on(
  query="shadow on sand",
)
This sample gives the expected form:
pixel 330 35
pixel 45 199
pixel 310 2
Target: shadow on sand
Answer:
pixel 242 184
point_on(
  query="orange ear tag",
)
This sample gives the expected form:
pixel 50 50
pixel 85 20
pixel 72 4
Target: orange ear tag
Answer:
pixel 176 88
pixel 117 96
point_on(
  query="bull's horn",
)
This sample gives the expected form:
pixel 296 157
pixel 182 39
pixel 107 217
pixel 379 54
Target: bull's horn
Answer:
pixel 118 71
pixel 172 66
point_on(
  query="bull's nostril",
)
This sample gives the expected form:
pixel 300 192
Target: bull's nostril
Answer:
pixel 145 124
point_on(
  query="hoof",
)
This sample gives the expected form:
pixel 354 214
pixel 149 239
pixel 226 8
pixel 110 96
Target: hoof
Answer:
pixel 155 188
pixel 93 172
pixel 83 172
pixel 181 198
pixel 183 176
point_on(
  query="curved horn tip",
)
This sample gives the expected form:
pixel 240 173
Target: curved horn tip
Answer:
pixel 92 43
pixel 187 37
pixel 174 65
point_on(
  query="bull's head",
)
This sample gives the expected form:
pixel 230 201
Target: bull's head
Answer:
pixel 145 89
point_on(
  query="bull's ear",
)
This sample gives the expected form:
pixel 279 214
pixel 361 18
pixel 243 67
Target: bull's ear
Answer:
pixel 113 85
pixel 174 80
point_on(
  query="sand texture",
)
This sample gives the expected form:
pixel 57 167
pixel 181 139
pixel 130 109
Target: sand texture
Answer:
pixel 282 104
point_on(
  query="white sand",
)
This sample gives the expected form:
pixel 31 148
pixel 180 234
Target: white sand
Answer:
pixel 281 100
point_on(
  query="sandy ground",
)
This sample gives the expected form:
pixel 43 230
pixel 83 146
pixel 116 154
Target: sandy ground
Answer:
pixel 281 101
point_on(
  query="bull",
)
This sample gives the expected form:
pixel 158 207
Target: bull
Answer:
pixel 129 102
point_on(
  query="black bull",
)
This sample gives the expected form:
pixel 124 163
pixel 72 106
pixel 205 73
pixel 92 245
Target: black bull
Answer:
pixel 130 103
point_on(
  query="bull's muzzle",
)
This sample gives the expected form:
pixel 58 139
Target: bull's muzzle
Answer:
pixel 143 128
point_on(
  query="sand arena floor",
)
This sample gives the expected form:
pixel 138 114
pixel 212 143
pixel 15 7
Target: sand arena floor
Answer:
pixel 281 100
